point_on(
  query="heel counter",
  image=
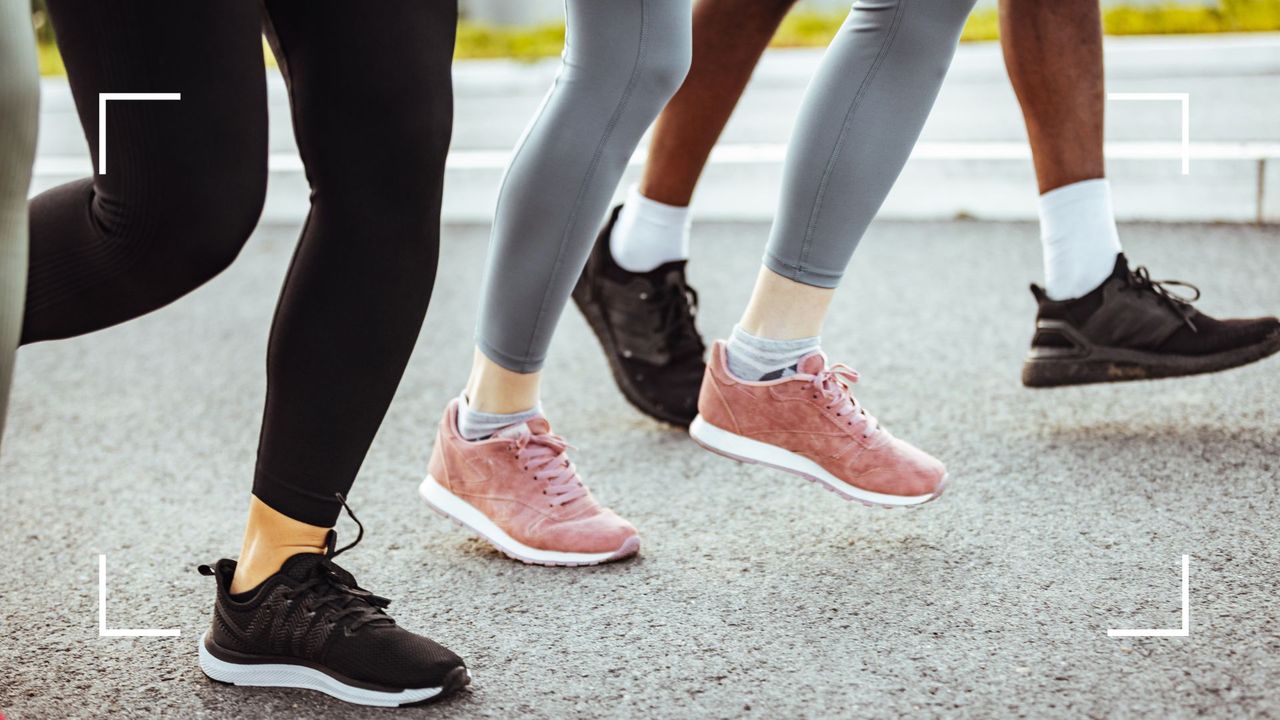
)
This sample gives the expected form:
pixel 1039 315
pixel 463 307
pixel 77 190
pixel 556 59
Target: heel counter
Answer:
pixel 437 468
pixel 711 402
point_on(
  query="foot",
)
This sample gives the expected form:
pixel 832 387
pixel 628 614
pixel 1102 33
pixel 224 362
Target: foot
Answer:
pixel 645 323
pixel 809 424
pixel 1134 328
pixel 519 490
pixel 312 626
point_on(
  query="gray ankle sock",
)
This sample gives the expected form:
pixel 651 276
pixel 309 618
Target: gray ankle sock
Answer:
pixel 474 425
pixel 757 358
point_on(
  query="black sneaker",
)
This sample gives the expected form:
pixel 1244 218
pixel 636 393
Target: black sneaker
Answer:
pixel 1134 328
pixel 311 626
pixel 645 323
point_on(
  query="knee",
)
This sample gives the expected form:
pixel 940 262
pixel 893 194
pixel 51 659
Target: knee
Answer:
pixel 936 23
pixel 197 227
pixel 666 64
pixel 19 106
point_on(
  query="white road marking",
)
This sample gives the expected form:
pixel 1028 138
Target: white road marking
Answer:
pixel 773 153
pixel 1185 99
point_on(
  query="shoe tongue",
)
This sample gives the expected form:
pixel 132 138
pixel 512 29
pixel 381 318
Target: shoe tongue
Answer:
pixel 302 566
pixel 535 426
pixel 812 364
pixel 1121 268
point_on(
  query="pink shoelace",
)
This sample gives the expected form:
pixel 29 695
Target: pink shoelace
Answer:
pixel 835 383
pixel 546 455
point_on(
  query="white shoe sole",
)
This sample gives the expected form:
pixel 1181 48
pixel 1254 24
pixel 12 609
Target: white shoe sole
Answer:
pixel 744 449
pixel 465 515
pixel 306 678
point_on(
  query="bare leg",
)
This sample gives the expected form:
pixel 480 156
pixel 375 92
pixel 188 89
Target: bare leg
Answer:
pixel 270 538
pixel 495 389
pixel 729 36
pixel 784 309
pixel 1053 53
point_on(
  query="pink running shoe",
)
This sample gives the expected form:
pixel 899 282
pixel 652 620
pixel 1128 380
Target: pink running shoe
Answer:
pixel 809 424
pixel 519 491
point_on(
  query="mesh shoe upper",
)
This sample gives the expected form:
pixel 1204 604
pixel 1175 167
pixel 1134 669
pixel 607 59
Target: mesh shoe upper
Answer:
pixel 1129 310
pixel 314 612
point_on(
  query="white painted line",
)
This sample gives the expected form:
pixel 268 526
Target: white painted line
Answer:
pixel 103 630
pixel 1185 99
pixel 768 153
pixel 102 118
pixel 1186 611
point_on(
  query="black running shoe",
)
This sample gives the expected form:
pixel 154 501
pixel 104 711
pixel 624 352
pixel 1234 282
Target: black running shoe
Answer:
pixel 311 626
pixel 645 323
pixel 1134 328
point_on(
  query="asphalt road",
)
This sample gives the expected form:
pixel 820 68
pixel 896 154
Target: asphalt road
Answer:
pixel 756 594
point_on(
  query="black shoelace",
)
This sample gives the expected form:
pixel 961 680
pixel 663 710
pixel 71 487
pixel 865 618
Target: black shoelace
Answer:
pixel 331 586
pixel 677 305
pixel 1140 279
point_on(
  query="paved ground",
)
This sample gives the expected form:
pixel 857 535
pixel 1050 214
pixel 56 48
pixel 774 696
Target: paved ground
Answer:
pixel 757 595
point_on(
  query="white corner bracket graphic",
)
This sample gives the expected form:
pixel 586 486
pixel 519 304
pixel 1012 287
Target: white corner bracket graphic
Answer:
pixel 103 630
pixel 1185 99
pixel 102 118
pixel 1185 630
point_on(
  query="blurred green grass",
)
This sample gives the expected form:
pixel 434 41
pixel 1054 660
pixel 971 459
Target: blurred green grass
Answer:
pixel 812 29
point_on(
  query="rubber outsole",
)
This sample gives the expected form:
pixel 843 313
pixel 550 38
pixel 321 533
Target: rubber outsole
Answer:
pixel 466 516
pixel 753 452
pixel 1054 367
pixel 304 677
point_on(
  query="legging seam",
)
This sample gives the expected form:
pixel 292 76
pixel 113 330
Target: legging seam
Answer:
pixel 591 171
pixel 854 103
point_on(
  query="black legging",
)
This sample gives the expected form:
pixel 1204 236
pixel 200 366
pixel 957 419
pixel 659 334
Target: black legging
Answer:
pixel 372 106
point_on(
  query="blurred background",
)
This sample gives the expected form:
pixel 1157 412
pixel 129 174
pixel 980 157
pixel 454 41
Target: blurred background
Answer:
pixel 972 162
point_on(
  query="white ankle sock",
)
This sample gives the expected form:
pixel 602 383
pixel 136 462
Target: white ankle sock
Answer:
pixel 757 358
pixel 474 425
pixel 649 233
pixel 1078 232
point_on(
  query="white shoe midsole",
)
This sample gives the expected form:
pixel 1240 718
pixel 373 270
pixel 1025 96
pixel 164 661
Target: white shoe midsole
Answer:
pixel 306 678
pixel 745 448
pixel 464 512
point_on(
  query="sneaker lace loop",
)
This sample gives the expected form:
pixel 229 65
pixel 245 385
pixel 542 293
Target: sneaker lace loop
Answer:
pixel 1140 279
pixel 331 586
pixel 835 383
pixel 546 455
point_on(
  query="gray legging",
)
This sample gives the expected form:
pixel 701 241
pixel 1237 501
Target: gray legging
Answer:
pixel 623 59
pixel 860 118
pixel 19 102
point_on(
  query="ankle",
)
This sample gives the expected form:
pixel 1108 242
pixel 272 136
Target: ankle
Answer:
pixel 783 309
pixel 271 538
pixel 262 561
pixel 495 389
pixel 476 425
pixel 758 358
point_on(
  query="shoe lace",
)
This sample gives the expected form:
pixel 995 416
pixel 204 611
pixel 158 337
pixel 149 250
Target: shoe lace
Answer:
pixel 835 383
pixel 1140 279
pixel 677 305
pixel 332 587
pixel 546 455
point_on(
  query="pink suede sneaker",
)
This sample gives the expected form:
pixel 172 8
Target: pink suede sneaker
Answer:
pixel 809 424
pixel 519 491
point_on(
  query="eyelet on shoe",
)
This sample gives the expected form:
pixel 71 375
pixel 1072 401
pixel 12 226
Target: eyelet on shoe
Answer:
pixel 644 296
pixel 626 353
